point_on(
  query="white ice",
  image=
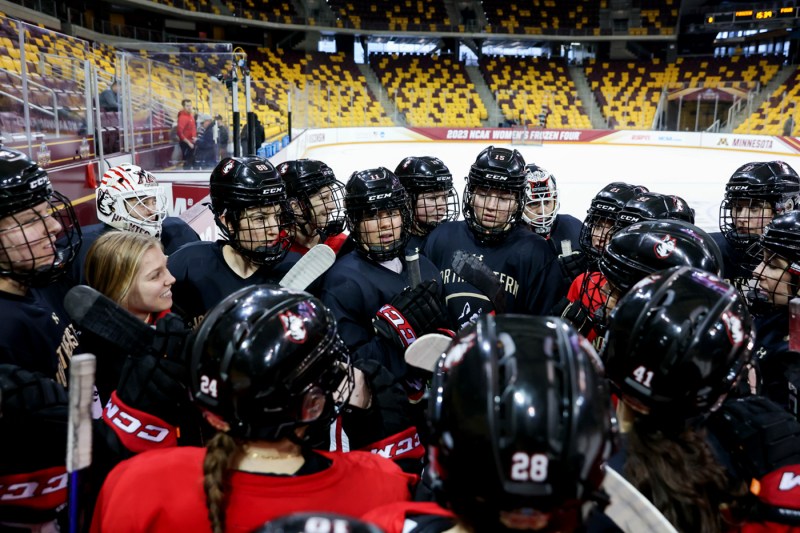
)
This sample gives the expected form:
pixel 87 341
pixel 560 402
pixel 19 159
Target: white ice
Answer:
pixel 697 175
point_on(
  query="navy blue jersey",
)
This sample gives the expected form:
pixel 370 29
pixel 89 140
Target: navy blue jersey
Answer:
pixel 36 334
pixel 735 263
pixel 203 278
pixel 565 234
pixel 416 243
pixel 175 232
pixel 524 263
pixel 354 289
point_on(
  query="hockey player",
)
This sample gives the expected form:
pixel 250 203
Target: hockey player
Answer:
pixel 365 290
pixel 676 345
pixel 129 198
pixel 317 201
pixel 268 370
pixel 248 200
pixel 755 194
pixel 492 206
pixel 429 185
pixel 499 463
pixel 541 212
pixel 646 247
pixel 39 240
pixel 775 280
pixel 585 295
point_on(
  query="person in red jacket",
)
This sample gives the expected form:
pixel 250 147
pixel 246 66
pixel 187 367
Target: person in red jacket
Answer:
pixel 269 372
pixel 187 133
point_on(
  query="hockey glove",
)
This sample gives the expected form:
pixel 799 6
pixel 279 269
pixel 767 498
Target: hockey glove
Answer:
pixel 33 421
pixel 575 313
pixel 413 312
pixel 764 443
pixel 386 426
pixel 573 265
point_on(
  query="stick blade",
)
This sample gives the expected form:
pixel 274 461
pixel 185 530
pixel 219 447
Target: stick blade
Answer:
pixel 79 422
pixel 309 268
pixel 426 351
pixel 629 509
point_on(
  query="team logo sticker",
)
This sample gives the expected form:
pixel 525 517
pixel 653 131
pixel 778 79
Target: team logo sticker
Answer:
pixel 294 327
pixel 665 247
pixel 228 166
pixel 733 326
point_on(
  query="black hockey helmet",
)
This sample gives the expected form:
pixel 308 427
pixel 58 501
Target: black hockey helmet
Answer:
pixel 677 343
pixel 520 420
pixel 305 178
pixel 653 206
pixel 259 353
pixel 239 183
pixel 652 245
pixel 420 175
pixel 777 259
pixel 367 193
pixel 772 184
pixel 28 259
pixel 498 169
pixel 540 187
pixel 322 522
pixel 603 212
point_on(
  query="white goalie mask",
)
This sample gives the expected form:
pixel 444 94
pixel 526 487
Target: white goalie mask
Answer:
pixel 130 199
pixel 541 200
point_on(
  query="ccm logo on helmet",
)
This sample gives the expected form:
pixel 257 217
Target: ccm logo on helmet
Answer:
pixel 498 177
pixel 38 182
pixel 273 190
pixel 379 196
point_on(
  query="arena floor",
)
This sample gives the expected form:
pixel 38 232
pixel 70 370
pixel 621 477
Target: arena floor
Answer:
pixel 697 175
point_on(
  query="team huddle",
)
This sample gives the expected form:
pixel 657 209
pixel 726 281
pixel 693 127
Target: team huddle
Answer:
pixel 475 364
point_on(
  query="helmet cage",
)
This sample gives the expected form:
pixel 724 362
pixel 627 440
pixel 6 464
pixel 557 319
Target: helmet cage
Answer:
pixel 245 240
pixel 540 187
pixel 23 259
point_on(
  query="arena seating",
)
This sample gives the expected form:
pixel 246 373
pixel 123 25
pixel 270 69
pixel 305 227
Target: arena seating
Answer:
pixel 430 90
pixel 542 16
pixel 526 86
pixel 402 15
pixel 772 114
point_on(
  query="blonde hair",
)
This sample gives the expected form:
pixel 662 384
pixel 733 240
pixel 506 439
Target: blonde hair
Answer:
pixel 221 452
pixel 113 262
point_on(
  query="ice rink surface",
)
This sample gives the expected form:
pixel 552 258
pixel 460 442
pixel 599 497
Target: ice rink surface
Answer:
pixel 698 175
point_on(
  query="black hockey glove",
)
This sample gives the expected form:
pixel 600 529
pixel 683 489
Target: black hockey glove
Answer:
pixel 573 265
pixel 33 421
pixel 575 313
pixel 386 426
pixel 764 445
pixel 156 383
pixel 410 314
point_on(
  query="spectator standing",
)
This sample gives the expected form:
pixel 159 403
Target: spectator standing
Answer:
pixel 187 133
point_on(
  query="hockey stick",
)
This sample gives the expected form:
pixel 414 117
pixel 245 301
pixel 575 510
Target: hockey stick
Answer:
pixel 426 351
pixel 309 268
pixel 629 509
pixel 79 428
pixel 473 271
pixel 95 312
pixel 414 276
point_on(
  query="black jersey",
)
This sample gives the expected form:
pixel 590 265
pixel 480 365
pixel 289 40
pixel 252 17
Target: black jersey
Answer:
pixel 203 278
pixel 36 334
pixel 735 263
pixel 175 232
pixel 354 289
pixel 525 265
pixel 416 243
pixel 565 234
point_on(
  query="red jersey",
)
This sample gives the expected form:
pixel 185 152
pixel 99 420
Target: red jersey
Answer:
pixel 187 129
pixel 588 289
pixel 334 241
pixel 162 491
pixel 394 517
